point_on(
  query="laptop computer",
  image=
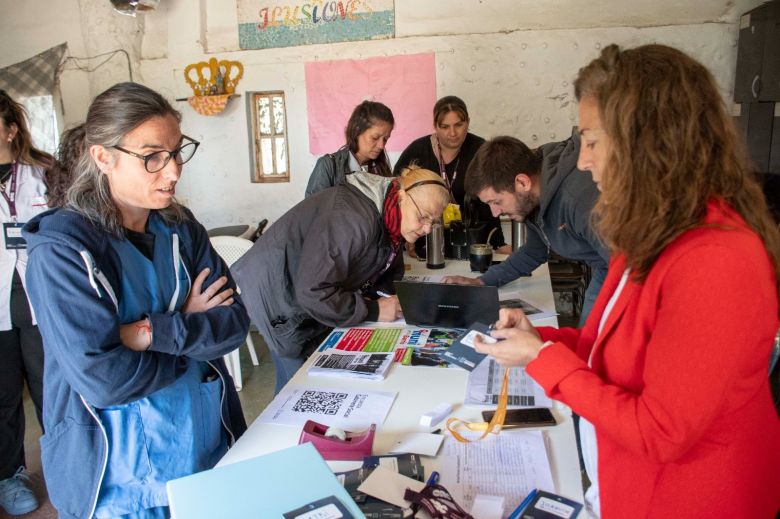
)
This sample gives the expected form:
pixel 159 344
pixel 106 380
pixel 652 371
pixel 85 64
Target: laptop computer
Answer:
pixel 448 306
pixel 278 484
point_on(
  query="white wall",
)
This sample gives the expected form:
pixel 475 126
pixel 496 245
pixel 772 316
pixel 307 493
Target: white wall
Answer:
pixel 512 61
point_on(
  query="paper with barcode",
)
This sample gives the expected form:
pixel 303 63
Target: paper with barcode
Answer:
pixel 484 385
pixel 509 464
pixel 347 409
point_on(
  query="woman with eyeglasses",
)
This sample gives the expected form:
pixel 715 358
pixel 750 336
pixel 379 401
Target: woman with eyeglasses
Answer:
pixel 330 261
pixel 23 186
pixel 136 312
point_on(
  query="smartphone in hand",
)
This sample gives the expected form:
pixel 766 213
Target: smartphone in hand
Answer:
pixel 517 418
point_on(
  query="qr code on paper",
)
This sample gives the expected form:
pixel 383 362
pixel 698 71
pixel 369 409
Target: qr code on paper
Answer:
pixel 321 402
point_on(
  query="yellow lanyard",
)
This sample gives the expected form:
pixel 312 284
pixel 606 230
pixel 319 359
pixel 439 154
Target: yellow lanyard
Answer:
pixel 495 424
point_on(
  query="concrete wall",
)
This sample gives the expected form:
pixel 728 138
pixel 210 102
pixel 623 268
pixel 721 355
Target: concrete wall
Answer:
pixel 512 61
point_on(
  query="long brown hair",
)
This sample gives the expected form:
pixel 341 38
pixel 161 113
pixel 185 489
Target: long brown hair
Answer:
pixel 112 115
pixel 23 150
pixel 673 147
pixel 364 116
pixel 62 173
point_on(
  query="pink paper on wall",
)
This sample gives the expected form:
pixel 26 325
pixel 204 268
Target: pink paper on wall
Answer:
pixel 406 84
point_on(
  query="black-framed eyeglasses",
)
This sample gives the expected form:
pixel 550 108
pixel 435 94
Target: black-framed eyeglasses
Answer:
pixel 156 161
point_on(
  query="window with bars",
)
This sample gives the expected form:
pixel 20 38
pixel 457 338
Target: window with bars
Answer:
pixel 270 159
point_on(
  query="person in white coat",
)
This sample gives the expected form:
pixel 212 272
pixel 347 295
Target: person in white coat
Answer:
pixel 23 190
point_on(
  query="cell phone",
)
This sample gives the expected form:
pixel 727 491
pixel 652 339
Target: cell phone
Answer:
pixel 516 418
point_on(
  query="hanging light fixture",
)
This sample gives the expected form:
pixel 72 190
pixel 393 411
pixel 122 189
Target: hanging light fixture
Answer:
pixel 130 7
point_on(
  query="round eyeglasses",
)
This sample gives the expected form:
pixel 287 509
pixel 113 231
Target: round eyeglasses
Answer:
pixel 156 161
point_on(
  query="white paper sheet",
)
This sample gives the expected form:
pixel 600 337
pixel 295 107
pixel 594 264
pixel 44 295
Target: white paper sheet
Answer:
pixel 510 464
pixel 484 385
pixel 488 507
pixel 347 409
pixel 389 486
pixel 532 311
pixel 425 444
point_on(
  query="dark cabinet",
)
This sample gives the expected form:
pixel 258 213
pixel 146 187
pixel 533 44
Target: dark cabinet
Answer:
pixel 758 55
pixel 770 77
pixel 756 121
pixel 757 85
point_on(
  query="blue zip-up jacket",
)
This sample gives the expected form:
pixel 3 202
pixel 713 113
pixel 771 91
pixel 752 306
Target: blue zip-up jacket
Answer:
pixel 74 283
pixel 562 221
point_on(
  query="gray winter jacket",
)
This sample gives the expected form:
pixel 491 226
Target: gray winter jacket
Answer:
pixel 330 170
pixel 333 169
pixel 562 221
pixel 312 263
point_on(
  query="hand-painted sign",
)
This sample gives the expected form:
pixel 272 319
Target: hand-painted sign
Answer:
pixel 264 24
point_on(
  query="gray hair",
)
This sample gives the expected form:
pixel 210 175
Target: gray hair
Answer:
pixel 112 115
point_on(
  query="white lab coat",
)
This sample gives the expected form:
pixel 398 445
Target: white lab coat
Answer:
pixel 30 200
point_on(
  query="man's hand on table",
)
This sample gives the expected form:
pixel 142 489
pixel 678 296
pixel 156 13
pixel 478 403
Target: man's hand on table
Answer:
pixel 461 280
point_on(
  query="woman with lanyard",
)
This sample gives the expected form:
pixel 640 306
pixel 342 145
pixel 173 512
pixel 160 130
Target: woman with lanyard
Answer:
pixel 330 261
pixel 670 372
pixel 449 151
pixel 367 132
pixel 136 311
pixel 22 182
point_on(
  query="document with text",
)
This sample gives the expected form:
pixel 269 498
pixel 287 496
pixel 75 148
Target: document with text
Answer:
pixel 509 464
pixel 484 385
pixel 347 409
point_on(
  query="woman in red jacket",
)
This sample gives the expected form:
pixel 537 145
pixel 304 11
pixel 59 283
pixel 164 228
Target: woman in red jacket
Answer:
pixel 670 372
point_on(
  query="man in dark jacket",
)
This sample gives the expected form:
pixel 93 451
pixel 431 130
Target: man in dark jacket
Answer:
pixel 544 189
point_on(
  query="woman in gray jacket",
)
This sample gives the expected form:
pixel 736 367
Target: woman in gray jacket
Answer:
pixel 322 264
pixel 367 133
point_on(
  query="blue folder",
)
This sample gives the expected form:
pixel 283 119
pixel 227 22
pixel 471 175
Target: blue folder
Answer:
pixel 266 486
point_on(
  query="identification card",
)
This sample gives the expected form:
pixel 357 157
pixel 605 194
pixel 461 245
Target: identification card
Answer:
pixel 12 232
pixel 462 352
pixel 470 337
pixel 546 505
pixel 327 508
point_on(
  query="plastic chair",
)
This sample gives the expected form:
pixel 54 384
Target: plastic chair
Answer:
pixel 242 230
pixel 230 248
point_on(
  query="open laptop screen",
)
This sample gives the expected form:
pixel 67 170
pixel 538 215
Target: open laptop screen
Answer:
pixel 449 306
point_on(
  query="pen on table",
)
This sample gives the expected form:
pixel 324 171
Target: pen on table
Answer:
pixel 522 506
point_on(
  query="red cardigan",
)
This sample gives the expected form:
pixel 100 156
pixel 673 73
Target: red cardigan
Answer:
pixel 678 392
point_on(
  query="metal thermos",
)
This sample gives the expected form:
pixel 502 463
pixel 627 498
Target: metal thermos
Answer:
pixel 518 235
pixel 434 245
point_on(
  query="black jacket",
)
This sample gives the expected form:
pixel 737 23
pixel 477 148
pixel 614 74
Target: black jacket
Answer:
pixel 312 263
pixel 474 212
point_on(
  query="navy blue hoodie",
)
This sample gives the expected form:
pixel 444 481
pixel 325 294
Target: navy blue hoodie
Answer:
pixel 74 283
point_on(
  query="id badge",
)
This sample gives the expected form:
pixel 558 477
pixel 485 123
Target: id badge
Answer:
pixel 12 231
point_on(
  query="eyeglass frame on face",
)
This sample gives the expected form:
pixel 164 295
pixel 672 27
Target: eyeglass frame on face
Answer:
pixel 424 220
pixel 171 154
